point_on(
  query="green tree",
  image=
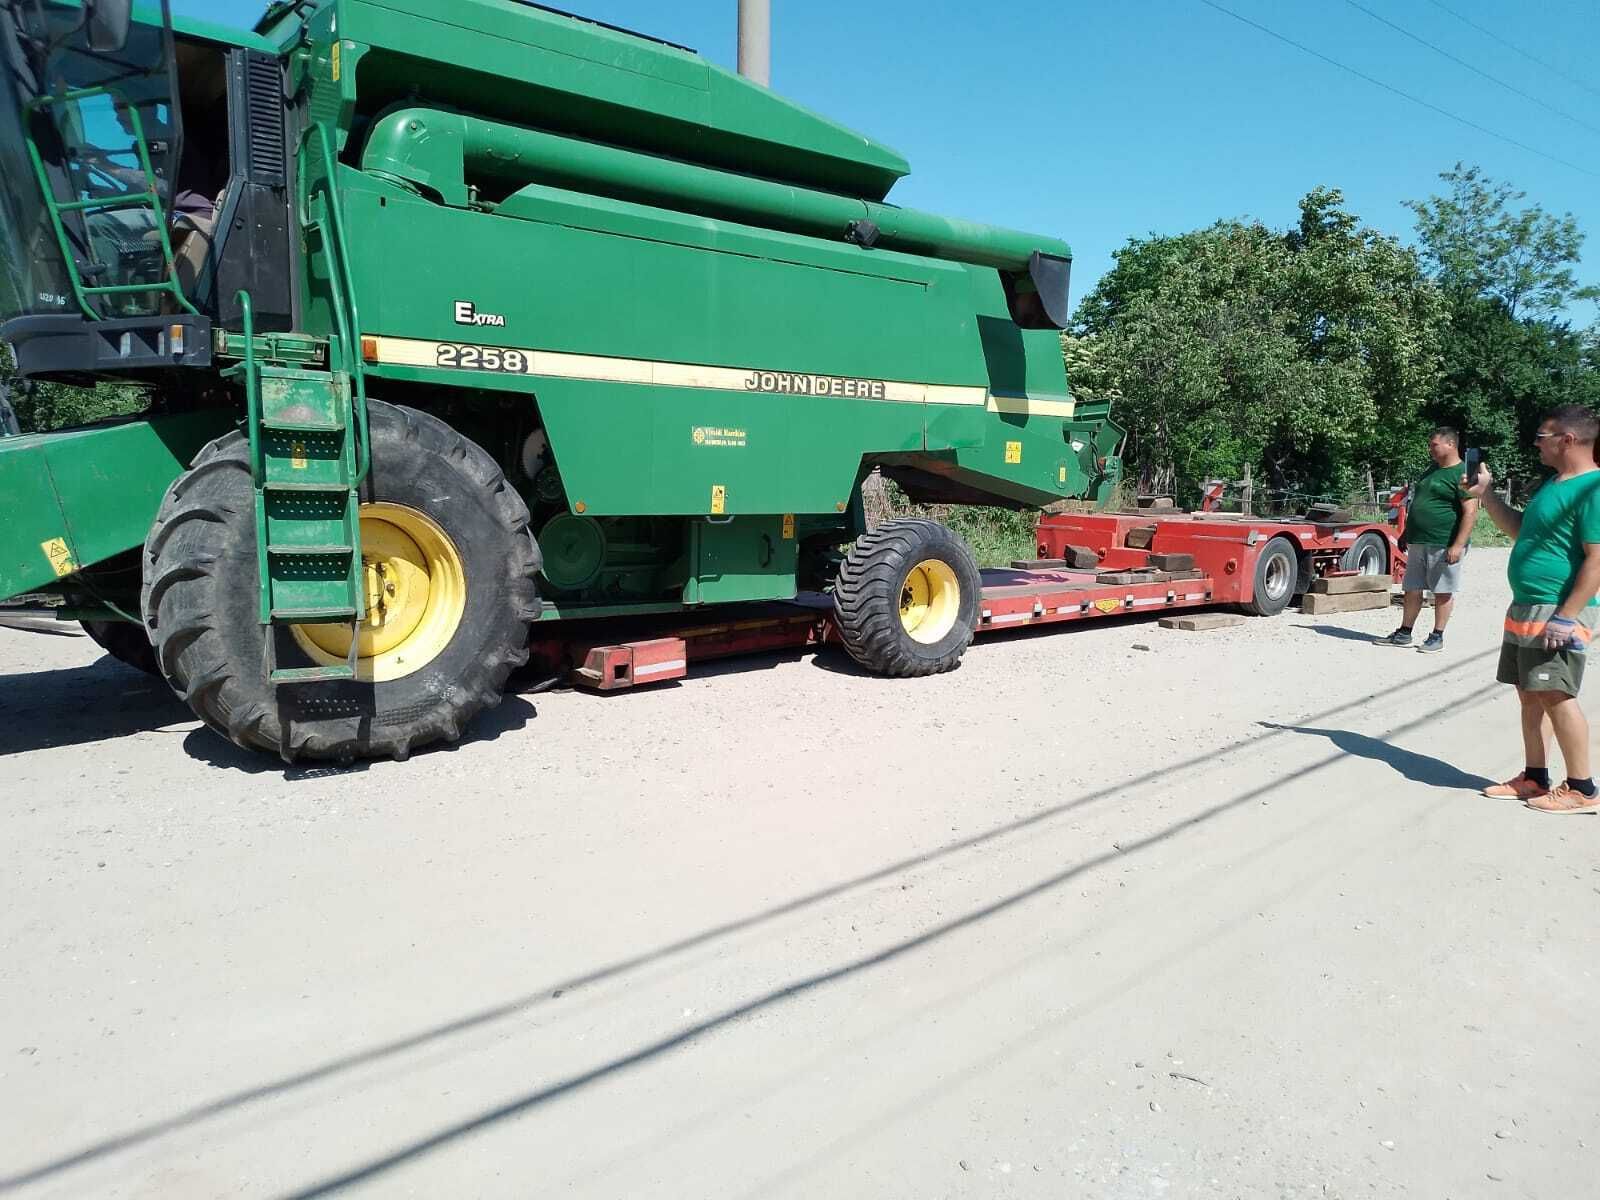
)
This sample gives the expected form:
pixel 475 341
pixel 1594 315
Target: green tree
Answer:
pixel 1508 274
pixel 42 407
pixel 1479 247
pixel 1307 353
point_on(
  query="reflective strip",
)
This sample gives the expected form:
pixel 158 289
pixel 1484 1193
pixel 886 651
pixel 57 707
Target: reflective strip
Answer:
pixel 410 352
pixel 676 664
pixel 1032 406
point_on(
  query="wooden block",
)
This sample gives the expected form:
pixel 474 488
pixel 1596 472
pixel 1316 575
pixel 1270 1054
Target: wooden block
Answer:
pixel 1140 538
pixel 1132 577
pixel 1080 557
pixel 1192 574
pixel 1201 621
pixel 1172 562
pixel 1037 564
pixel 1154 502
pixel 1343 585
pixel 1321 602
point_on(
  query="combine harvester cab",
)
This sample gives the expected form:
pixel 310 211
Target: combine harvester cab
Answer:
pixel 453 329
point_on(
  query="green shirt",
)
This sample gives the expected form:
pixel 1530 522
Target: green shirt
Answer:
pixel 1435 507
pixel 1545 558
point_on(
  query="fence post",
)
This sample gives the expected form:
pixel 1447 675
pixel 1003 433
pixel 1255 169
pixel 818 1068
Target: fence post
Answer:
pixel 1246 492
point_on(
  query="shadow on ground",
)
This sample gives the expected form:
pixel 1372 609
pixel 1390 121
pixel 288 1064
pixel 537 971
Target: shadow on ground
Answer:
pixel 77 706
pixel 511 715
pixel 1418 768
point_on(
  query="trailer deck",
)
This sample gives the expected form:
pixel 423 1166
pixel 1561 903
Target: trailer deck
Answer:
pixel 1143 563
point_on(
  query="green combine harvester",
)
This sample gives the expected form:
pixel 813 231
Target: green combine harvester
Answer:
pixel 458 317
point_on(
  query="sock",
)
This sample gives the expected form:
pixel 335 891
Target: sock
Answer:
pixel 1539 775
pixel 1406 629
pixel 1584 787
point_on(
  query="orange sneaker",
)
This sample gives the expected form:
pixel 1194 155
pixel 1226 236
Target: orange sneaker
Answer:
pixel 1520 788
pixel 1564 801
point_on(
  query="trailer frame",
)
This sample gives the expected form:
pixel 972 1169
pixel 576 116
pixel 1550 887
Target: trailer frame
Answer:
pixel 1138 568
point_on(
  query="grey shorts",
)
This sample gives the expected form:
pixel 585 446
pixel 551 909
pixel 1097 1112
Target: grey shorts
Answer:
pixel 1427 570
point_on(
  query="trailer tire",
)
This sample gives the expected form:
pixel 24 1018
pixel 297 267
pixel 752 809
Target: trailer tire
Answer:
pixel 1277 569
pixel 1368 554
pixel 906 599
pixel 201 601
pixel 126 642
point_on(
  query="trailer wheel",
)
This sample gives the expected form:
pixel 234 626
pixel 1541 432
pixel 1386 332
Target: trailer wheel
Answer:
pixel 434 502
pixel 1277 568
pixel 125 642
pixel 1368 554
pixel 906 599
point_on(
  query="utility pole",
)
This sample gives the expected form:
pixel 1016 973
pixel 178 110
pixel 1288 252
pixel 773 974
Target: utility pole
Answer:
pixel 755 41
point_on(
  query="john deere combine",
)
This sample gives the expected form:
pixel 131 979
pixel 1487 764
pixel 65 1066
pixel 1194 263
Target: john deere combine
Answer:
pixel 456 317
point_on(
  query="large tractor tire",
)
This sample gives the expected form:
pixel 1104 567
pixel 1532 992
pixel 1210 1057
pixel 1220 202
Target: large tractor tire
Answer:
pixel 125 642
pixel 906 599
pixel 437 516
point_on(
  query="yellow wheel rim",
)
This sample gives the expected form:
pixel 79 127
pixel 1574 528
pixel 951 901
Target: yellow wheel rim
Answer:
pixel 416 594
pixel 930 601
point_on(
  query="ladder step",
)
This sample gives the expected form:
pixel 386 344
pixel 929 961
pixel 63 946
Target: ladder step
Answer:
pixel 283 425
pixel 314 616
pixel 310 551
pixel 327 489
pixel 311 674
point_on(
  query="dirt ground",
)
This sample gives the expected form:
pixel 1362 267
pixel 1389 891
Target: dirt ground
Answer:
pixel 1107 912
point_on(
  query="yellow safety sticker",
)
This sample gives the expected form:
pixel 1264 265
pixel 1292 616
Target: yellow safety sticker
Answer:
pixel 1061 474
pixel 788 527
pixel 336 47
pixel 1108 606
pixel 719 499
pixel 1013 452
pixel 297 456
pixel 60 557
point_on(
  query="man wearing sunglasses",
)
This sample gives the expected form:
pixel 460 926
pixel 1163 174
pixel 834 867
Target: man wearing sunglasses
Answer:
pixel 1554 573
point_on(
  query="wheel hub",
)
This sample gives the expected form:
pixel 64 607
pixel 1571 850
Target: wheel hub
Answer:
pixel 930 600
pixel 415 591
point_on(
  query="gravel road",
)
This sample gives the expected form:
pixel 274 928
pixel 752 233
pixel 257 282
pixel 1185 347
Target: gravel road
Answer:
pixel 1108 912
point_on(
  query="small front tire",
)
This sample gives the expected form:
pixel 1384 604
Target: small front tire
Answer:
pixel 906 599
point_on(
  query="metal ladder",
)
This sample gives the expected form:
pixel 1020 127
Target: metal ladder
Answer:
pixel 306 462
pixel 309 453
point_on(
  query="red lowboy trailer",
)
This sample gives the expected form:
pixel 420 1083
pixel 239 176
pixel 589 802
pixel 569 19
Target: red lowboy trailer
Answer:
pixel 1090 566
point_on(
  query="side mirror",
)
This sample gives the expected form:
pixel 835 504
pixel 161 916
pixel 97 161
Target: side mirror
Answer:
pixel 107 24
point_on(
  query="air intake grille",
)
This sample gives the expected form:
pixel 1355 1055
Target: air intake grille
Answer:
pixel 264 119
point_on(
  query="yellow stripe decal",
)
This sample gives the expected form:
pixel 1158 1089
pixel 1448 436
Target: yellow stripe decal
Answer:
pixel 411 352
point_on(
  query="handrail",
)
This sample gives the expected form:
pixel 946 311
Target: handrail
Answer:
pixel 150 199
pixel 252 387
pixel 345 282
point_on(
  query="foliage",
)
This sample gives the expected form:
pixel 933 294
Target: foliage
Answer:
pixel 1308 353
pixel 41 407
pixel 1479 248
pixel 1507 275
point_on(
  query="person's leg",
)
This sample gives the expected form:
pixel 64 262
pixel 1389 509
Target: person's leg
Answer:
pixel 1442 604
pixel 1535 729
pixel 1411 609
pixel 1571 730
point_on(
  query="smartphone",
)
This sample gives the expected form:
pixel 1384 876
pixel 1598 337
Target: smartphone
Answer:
pixel 1473 463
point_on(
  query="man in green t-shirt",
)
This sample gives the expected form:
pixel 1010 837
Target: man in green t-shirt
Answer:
pixel 1555 573
pixel 1439 522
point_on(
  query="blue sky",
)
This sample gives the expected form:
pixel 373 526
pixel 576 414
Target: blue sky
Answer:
pixel 1097 122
